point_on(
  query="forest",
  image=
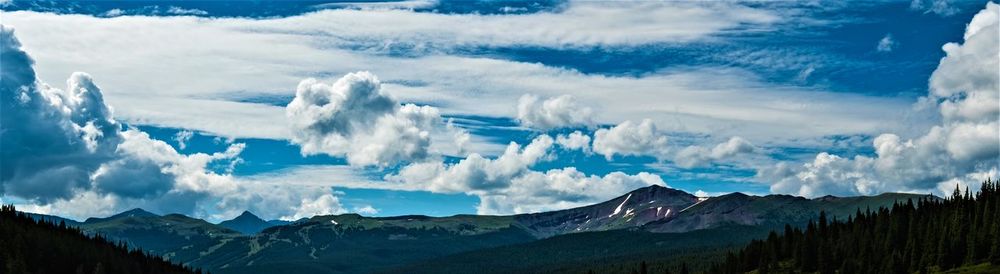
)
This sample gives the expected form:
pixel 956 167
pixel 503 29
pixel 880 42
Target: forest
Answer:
pixel 40 247
pixel 913 237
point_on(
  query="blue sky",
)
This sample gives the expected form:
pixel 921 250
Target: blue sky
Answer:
pixel 470 106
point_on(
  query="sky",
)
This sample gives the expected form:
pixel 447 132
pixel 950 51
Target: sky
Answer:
pixel 291 109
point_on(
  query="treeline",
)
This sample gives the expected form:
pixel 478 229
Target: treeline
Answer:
pixel 928 235
pixel 37 246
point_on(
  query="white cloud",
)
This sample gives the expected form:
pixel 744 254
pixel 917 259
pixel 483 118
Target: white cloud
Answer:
pixel 182 11
pixel 963 149
pixel 560 189
pixel 182 137
pixel 940 7
pixel 459 137
pixel 151 83
pixel 365 210
pixel 628 138
pixel 555 112
pixel 52 139
pixel 886 44
pixel 475 172
pixel 354 118
pixel 388 5
pixel 575 141
pixel 64 153
pixel 579 24
pixel 507 184
pixel 323 205
pixel 695 156
pixel 113 13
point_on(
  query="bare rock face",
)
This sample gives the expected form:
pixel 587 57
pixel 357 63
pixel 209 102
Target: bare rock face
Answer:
pixel 771 210
pixel 630 210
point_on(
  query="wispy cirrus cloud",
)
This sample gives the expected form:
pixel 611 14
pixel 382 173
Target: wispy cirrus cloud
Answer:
pixel 233 52
pixel 964 149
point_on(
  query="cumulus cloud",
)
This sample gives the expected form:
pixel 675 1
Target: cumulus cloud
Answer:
pixel 560 189
pixel 555 112
pixel 886 44
pixel 476 172
pixel 964 149
pixel 52 139
pixel 323 205
pixel 64 153
pixel 574 141
pixel 355 118
pixel 629 138
pixel 696 156
pixel 507 184
pixel 182 137
pixel 365 210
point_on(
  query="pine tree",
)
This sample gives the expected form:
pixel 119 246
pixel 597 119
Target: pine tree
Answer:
pixel 906 238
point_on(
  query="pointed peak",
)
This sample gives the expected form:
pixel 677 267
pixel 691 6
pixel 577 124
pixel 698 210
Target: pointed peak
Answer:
pixel 245 217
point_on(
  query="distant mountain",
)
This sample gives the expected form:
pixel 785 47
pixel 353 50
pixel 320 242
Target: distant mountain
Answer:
pixel 770 210
pixel 135 212
pixel 351 243
pixel 177 237
pixel 577 253
pixel 278 222
pixel 633 209
pixel 52 219
pixel 30 246
pixel 247 223
pixel 694 234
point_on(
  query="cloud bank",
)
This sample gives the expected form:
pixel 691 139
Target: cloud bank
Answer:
pixel 964 149
pixel 703 100
pixel 508 185
pixel 64 152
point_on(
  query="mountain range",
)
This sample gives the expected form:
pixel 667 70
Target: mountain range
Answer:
pixel 653 220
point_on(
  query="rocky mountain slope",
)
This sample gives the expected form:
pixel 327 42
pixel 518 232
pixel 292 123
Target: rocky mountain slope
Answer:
pixel 351 243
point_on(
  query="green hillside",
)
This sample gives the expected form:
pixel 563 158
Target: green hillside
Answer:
pixel 32 246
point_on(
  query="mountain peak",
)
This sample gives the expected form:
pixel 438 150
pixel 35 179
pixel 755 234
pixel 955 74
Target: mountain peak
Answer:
pixel 650 188
pixel 632 209
pixel 246 223
pixel 247 214
pixel 135 212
